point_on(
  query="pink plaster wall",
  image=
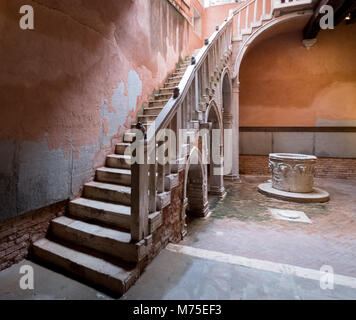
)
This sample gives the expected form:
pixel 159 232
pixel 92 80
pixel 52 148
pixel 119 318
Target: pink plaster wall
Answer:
pixel 283 84
pixel 215 16
pixel 78 79
pixel 54 78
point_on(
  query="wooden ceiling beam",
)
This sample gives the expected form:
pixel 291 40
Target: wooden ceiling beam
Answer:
pixel 312 28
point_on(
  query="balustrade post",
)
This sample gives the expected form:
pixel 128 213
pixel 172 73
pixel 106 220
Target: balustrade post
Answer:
pixel 255 11
pixel 139 194
pixel 160 168
pixel 247 14
pixel 238 24
pixel 152 188
pixel 235 129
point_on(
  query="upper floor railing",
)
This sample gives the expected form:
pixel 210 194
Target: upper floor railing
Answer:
pixel 281 4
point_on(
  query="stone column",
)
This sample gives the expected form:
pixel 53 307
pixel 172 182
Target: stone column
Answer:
pixel 231 121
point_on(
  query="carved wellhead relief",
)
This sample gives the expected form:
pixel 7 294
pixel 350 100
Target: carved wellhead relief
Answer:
pixel 292 172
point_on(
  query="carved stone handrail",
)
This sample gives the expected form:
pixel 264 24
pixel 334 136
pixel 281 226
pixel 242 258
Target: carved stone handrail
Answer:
pixel 153 180
pixel 168 111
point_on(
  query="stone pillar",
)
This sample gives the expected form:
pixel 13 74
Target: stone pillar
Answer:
pixel 231 121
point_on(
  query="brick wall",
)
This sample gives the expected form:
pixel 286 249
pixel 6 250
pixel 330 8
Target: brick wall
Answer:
pixel 18 234
pixel 338 168
pixel 254 165
pixel 173 225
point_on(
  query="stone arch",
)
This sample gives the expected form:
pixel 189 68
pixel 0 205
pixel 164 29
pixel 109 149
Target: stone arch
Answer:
pixel 229 114
pixel 226 89
pixel 214 168
pixel 231 120
pixel 259 31
pixel 195 192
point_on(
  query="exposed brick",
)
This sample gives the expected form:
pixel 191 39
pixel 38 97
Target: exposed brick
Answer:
pixel 5 265
pixel 23 238
pixel 337 168
pixel 5 233
pixel 17 234
pixel 172 224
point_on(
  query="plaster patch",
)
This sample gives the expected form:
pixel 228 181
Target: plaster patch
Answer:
pixel 83 167
pixel 44 176
pixel 122 105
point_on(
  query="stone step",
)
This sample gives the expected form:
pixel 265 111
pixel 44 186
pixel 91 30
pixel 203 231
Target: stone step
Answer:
pixel 171 181
pixel 118 161
pixel 175 80
pixel 129 137
pixel 186 64
pixel 181 69
pixel 158 103
pixel 102 212
pixel 166 91
pixel 121 147
pixel 152 110
pixel 177 74
pixel 145 124
pixel 163 200
pixel 162 96
pixel 147 118
pixel 114 243
pixel 112 175
pixel 108 192
pixel 171 84
pixel 96 270
pixel 155 220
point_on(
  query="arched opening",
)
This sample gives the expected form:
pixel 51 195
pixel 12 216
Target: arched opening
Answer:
pixel 226 94
pixel 215 166
pixel 288 111
pixel 195 186
pixel 228 123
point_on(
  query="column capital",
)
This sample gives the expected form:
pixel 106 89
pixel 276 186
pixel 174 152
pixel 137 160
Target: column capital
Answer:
pixel 236 86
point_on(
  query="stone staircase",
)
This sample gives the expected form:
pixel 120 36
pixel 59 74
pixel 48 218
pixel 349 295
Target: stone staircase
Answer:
pixel 93 241
pixel 162 96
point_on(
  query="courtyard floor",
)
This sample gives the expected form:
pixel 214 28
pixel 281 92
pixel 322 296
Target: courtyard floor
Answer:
pixel 241 251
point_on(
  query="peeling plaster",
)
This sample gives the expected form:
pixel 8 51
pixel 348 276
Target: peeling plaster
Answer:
pixel 43 176
pixel 123 106
pixel 69 93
